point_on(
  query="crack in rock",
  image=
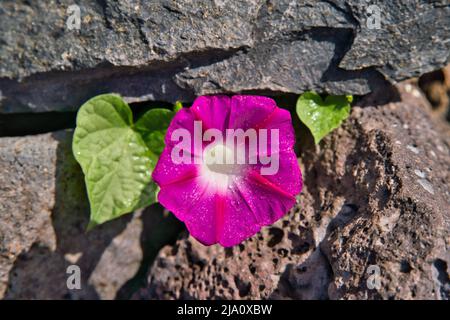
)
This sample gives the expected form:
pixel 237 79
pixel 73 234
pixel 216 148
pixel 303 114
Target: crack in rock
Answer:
pixel 134 48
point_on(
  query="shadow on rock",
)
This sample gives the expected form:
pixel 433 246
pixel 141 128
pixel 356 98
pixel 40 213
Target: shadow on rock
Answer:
pixel 111 257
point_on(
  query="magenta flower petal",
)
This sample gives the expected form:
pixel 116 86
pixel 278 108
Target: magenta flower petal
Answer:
pixel 288 177
pixel 251 111
pixel 212 111
pixel 228 203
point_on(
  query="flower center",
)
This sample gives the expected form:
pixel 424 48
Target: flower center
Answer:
pixel 219 158
pixel 216 170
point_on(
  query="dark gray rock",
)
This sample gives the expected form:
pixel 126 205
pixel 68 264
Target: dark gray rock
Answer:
pixel 44 213
pixel 174 50
pixel 372 221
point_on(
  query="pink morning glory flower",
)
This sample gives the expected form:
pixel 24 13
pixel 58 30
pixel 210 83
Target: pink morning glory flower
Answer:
pixel 228 167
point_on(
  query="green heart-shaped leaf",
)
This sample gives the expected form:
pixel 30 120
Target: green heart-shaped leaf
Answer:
pixel 152 126
pixel 322 116
pixel 116 161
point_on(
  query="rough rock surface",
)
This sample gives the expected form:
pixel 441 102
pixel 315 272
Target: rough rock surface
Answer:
pixel 44 213
pixel 376 198
pixel 168 50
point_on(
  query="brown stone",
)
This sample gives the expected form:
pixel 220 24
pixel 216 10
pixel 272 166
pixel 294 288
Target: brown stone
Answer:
pixel 44 213
pixel 376 198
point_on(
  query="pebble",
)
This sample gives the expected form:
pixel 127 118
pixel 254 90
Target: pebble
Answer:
pixel 426 185
pixel 412 149
pixel 420 173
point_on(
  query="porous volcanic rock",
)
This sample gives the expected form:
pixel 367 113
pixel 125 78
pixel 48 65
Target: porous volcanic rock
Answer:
pixel 174 50
pixel 372 220
pixel 43 218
